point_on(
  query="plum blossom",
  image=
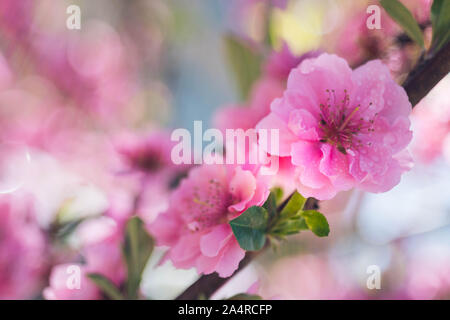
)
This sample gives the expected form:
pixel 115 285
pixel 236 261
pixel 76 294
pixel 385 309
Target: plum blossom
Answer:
pixel 342 128
pixel 195 226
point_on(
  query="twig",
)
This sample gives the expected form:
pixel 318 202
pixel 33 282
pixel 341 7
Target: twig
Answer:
pixel 428 72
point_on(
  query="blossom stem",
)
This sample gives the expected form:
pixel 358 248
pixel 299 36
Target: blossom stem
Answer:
pixel 427 73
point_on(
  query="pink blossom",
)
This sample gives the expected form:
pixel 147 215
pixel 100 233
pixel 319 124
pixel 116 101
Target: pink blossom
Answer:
pixel 357 43
pixel 195 226
pixel 101 241
pixel 62 287
pixel 149 154
pixel 22 250
pixel 342 129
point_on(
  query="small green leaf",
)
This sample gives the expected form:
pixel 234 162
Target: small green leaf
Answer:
pixel 294 205
pixel 316 222
pixel 278 192
pixel 404 18
pixel 106 286
pixel 245 296
pixel 245 63
pixel 137 248
pixel 440 20
pixel 250 228
pixel 271 205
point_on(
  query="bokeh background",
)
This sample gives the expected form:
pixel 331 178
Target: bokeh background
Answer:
pixel 75 105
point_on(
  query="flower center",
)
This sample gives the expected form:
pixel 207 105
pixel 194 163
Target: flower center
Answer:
pixel 207 206
pixel 340 124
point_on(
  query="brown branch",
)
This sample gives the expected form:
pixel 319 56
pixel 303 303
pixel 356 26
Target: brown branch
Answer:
pixel 428 72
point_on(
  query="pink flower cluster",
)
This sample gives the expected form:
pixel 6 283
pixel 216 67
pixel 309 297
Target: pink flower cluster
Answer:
pixel 339 129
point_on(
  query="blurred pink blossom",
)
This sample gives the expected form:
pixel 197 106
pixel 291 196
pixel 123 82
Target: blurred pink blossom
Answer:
pixel 22 250
pixel 356 43
pixel 195 226
pixel 146 154
pixel 304 277
pixel 342 129
pixel 101 240
pixel 61 288
pixel 90 67
pixel 146 160
pixel 427 275
pixel 431 122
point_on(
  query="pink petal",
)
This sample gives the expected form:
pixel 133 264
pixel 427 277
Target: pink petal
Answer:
pixel 242 187
pixel 212 242
pixel 230 261
pixel 286 136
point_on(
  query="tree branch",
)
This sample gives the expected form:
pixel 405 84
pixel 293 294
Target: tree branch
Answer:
pixel 427 73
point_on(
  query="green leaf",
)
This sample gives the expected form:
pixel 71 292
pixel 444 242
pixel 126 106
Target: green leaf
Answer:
pixel 245 63
pixel 137 248
pixel 245 296
pixel 250 228
pixel 404 18
pixel 316 222
pixel 440 20
pixel 271 205
pixel 106 286
pixel 278 192
pixel 294 205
